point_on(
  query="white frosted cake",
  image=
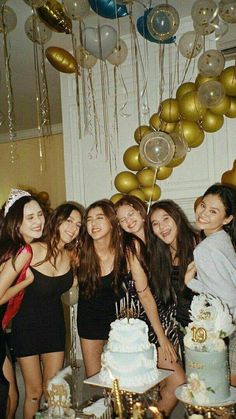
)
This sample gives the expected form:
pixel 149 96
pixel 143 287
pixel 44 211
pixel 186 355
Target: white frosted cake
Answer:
pixel 206 355
pixel 128 355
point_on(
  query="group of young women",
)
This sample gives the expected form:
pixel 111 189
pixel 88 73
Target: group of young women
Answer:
pixel 112 251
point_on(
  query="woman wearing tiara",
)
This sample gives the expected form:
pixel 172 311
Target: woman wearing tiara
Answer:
pixel 156 311
pixel 38 329
pixel 21 222
pixel 100 275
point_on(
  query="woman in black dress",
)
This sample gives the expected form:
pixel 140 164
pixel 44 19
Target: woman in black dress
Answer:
pixel 156 303
pixel 174 241
pixel 38 329
pixel 100 277
pixel 22 221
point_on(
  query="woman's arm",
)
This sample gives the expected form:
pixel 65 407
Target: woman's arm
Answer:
pixel 8 275
pixel 148 302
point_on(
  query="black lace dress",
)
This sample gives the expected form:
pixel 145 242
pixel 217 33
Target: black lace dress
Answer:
pixel 166 314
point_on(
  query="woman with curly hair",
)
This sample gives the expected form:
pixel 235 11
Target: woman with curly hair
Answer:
pixel 38 329
pixel 100 277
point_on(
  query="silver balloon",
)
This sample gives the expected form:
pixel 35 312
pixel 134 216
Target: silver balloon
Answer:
pixel 36 30
pixel 204 11
pixel 163 22
pixel 190 44
pixel 9 20
pixel 156 149
pixel 227 11
pixel 211 63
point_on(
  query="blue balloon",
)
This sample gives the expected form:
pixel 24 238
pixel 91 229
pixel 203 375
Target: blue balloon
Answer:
pixel 108 8
pixel 143 30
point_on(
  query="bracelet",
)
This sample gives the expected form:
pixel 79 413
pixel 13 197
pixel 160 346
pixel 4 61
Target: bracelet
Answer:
pixel 140 292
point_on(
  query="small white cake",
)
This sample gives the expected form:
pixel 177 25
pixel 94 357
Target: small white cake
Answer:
pixel 128 355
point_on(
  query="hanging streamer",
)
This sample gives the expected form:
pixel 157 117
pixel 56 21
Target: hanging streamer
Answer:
pixel 77 85
pixel 10 96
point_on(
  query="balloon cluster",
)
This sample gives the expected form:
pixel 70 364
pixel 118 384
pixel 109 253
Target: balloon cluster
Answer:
pixel 179 124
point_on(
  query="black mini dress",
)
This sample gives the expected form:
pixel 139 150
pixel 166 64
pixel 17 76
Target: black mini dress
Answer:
pixel 39 326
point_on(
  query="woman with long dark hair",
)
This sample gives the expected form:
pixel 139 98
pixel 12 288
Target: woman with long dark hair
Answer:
pixel 174 240
pixel 100 278
pixel 38 329
pixel 142 285
pixel 21 222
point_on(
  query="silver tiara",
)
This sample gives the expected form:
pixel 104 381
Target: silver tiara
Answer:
pixel 15 194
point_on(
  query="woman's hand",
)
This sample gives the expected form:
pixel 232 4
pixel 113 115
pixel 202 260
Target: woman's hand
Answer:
pixel 167 349
pixel 191 270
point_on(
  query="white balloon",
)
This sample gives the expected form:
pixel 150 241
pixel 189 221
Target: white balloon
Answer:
pixel 36 30
pixel 190 44
pixel 100 41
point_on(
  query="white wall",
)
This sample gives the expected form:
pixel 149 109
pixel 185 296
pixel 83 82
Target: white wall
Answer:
pixel 89 178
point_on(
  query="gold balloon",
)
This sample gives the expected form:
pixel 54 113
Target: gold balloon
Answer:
pixel 176 162
pixel 61 59
pixel 152 193
pixel 185 88
pixel 229 177
pixel 191 131
pixel 231 113
pixel 43 196
pixel 146 177
pixel 223 106
pixel 140 132
pixel 169 110
pixel 53 15
pixel 190 107
pixel 164 172
pixel 126 182
pixel 116 197
pixel 203 79
pixel 212 122
pixel 131 158
pixel 138 193
pixel 228 79
pixel 160 125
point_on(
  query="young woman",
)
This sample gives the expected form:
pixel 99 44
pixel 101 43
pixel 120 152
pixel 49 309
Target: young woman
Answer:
pixel 175 240
pixel 142 286
pixel 100 276
pixel 22 221
pixel 215 257
pixel 38 329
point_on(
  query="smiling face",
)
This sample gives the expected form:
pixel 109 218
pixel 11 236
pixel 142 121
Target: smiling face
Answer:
pixel 69 229
pixel 33 222
pixel 164 226
pixel 130 220
pixel 210 214
pixel 98 225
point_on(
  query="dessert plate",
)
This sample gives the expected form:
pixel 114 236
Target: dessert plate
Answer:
pixel 96 381
pixel 230 400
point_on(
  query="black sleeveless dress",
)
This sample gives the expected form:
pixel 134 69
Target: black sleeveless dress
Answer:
pixel 166 314
pixel 96 313
pixel 39 326
pixel 4 385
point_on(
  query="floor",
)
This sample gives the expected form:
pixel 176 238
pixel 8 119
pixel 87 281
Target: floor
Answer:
pixel 84 392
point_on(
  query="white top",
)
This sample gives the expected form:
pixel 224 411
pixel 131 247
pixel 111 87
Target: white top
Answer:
pixel 215 260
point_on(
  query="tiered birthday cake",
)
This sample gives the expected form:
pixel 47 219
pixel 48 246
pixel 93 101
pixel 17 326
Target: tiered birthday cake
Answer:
pixel 128 355
pixel 206 354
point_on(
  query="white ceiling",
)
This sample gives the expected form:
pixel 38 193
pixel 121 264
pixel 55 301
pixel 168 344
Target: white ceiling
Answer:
pixel 22 65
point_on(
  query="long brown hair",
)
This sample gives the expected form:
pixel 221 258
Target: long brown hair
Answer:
pixel 186 240
pixel 89 272
pixel 51 235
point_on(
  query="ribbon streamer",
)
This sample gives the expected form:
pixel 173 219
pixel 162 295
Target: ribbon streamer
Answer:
pixel 77 84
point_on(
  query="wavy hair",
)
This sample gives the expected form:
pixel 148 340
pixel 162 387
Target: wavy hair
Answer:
pixel 89 271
